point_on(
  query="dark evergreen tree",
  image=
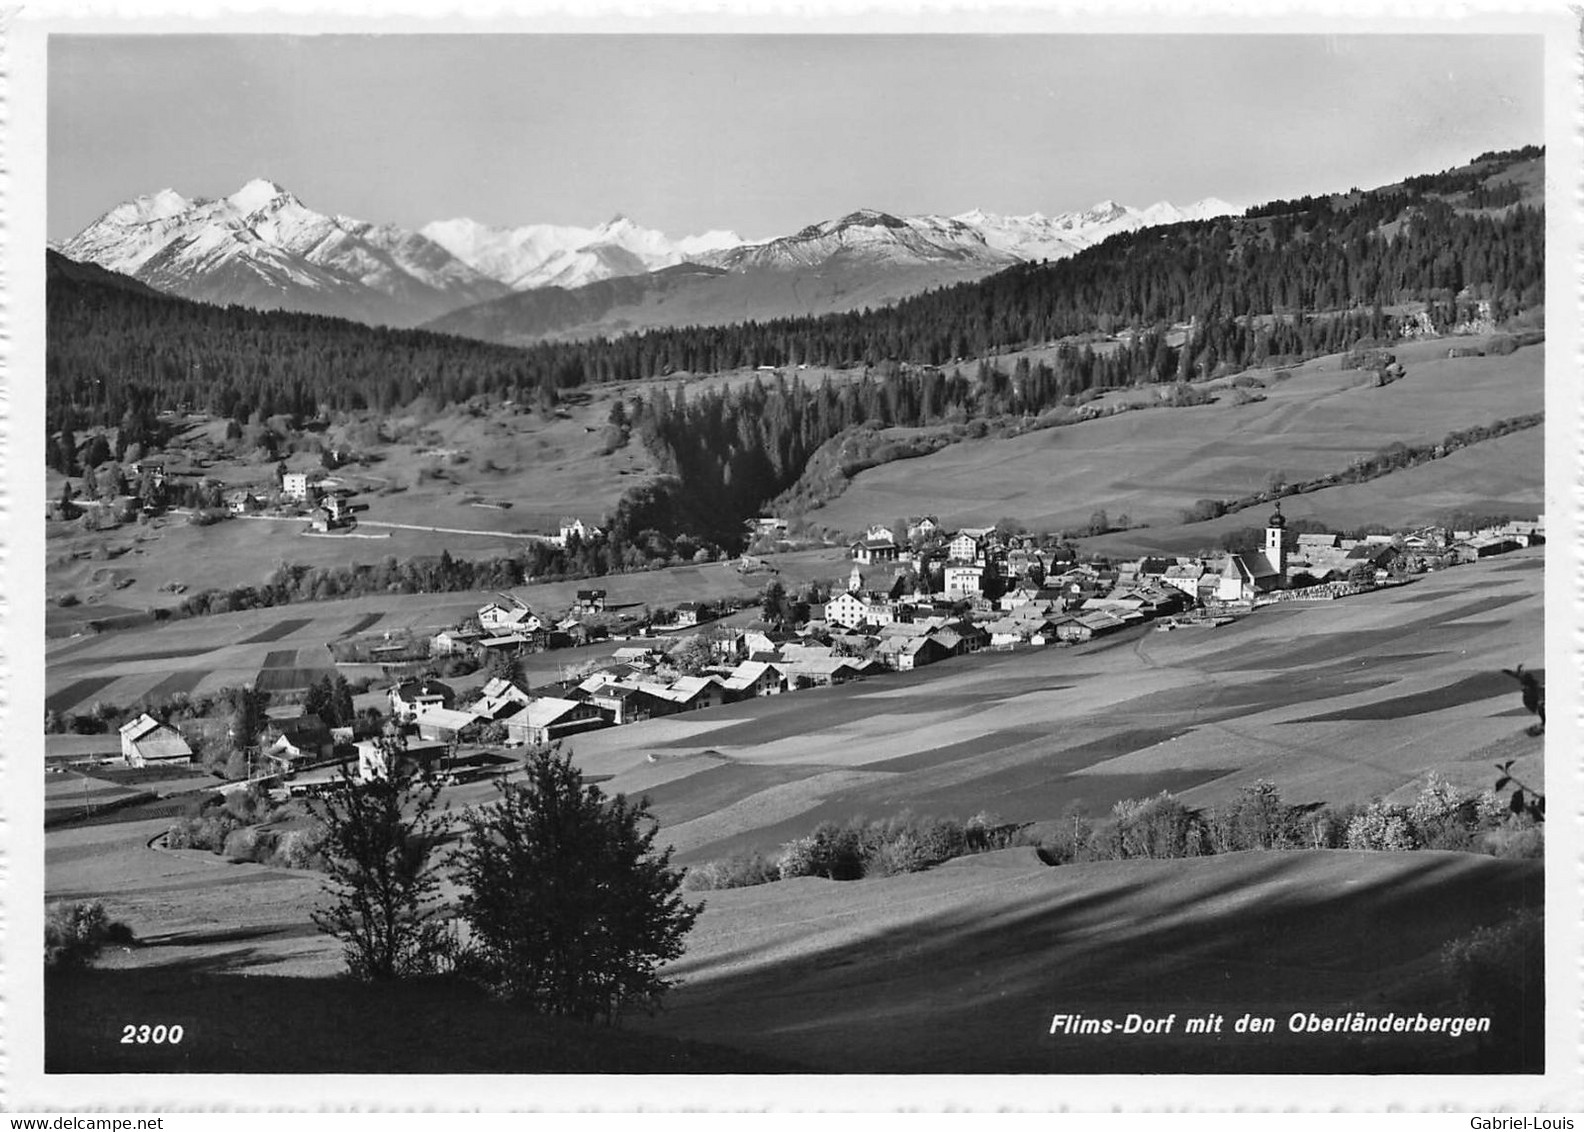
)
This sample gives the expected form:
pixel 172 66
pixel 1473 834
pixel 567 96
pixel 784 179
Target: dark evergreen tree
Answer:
pixel 571 908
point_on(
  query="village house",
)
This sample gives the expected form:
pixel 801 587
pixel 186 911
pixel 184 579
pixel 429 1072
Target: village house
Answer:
pixel 851 610
pixel 500 698
pixel 243 502
pixel 755 678
pixel 302 741
pixel 694 692
pixel 963 580
pixel 146 741
pixel 338 505
pixel 628 701
pixel 1185 578
pixel 589 601
pixel 870 551
pixel 964 547
pixel 584 532
pixel 507 616
pixel 407 697
pixel 907 653
pixel 923 527
pixel 767 526
pixel 453 642
pixel 376 756
pixel 686 615
pixel 296 486
pixel 155 469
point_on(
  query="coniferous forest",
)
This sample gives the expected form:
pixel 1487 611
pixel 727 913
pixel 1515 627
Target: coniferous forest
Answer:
pixel 1288 279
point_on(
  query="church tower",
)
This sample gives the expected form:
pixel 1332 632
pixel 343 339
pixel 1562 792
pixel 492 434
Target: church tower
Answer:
pixel 855 580
pixel 1275 547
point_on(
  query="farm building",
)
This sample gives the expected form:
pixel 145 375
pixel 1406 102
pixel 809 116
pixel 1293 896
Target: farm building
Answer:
pixel 1483 546
pixel 589 601
pixel 446 725
pixel 549 718
pixel 1087 626
pixel 147 741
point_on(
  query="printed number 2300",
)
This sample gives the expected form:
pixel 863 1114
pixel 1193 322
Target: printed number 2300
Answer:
pixel 151 1035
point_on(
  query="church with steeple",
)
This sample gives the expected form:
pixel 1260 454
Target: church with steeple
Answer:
pixel 1247 575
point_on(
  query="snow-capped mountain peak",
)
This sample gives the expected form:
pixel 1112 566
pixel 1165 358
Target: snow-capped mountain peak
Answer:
pixel 257 194
pixel 547 255
pixel 261 246
pixel 154 206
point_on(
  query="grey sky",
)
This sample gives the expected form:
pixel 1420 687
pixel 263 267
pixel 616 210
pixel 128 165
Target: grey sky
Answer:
pixel 766 134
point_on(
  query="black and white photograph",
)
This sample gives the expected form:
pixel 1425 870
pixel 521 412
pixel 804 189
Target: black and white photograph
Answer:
pixel 1007 551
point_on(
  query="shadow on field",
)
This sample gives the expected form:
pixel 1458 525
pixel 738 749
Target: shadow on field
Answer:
pixel 968 979
pixel 234 1023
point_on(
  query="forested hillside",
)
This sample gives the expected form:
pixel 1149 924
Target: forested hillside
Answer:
pixel 1292 278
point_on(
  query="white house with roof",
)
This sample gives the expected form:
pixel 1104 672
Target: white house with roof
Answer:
pixel 411 696
pixel 571 525
pixel 872 550
pixel 963 580
pixel 507 616
pixel 296 485
pixel 964 547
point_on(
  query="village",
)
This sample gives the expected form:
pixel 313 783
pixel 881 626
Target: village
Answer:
pixel 909 602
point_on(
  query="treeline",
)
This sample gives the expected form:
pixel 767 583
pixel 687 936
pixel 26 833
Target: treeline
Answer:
pixel 1163 826
pixel 113 351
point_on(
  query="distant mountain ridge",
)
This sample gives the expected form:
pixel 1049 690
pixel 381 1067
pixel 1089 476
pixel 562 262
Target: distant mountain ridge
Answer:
pixel 262 247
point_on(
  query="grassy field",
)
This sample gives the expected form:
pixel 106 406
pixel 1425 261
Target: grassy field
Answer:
pixel 960 969
pixel 1151 465
pixel 1332 702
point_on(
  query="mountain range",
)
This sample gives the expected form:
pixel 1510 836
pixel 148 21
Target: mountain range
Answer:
pixel 261 247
